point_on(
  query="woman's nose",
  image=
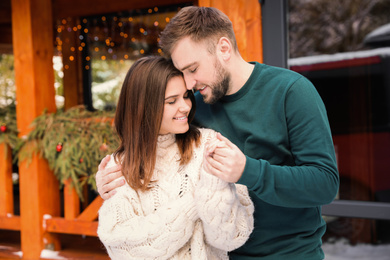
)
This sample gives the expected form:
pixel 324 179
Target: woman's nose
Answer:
pixel 185 106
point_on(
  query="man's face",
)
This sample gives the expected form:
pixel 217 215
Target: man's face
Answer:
pixel 202 71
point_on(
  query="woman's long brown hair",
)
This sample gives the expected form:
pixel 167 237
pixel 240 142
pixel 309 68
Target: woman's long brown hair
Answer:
pixel 138 119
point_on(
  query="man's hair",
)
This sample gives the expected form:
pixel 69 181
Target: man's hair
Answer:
pixel 138 120
pixel 200 24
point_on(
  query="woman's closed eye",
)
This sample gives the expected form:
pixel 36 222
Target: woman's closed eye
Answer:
pixel 171 101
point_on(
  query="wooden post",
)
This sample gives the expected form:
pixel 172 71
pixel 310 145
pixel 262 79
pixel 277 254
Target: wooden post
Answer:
pixel 32 27
pixel 6 185
pixel 246 18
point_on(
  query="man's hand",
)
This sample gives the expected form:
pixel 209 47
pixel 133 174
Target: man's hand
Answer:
pixel 107 179
pixel 224 159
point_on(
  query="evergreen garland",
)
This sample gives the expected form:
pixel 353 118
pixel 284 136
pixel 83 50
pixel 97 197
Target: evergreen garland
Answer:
pixel 8 127
pixel 73 142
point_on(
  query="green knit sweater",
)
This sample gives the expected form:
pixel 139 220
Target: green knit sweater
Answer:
pixel 279 122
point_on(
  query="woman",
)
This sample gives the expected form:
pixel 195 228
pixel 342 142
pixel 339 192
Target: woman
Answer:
pixel 171 208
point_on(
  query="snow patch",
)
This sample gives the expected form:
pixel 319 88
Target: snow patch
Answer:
pixel 382 52
pixel 49 254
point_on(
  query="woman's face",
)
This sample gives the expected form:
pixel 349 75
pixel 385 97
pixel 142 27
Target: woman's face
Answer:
pixel 177 106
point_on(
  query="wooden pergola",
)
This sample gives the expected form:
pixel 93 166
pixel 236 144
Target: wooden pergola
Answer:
pixel 26 29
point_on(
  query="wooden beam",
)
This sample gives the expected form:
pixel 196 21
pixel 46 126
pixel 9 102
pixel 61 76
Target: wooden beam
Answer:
pixel 61 225
pixel 32 27
pixel 10 222
pixel 6 185
pixel 91 212
pixel 246 18
pixel 70 8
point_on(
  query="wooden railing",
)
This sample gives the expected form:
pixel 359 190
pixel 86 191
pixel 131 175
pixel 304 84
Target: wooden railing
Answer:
pixel 74 220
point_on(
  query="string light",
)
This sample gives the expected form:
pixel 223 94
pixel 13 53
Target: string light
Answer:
pixel 107 35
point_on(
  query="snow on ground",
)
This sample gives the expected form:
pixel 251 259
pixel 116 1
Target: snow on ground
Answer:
pixel 49 254
pixel 342 250
pixel 336 250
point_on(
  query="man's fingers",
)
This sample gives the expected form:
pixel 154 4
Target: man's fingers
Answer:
pixel 111 174
pixel 222 152
pixel 104 162
pixel 227 141
pixel 111 186
pixel 213 145
pixel 219 158
pixel 108 195
pixel 218 165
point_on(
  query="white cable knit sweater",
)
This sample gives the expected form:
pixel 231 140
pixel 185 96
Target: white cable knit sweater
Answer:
pixel 188 213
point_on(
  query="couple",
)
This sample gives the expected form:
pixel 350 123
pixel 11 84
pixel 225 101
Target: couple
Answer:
pixel 283 154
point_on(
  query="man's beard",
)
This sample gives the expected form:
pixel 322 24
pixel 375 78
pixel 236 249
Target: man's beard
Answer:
pixel 220 87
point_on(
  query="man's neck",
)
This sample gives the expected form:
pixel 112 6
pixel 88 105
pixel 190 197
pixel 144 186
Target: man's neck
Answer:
pixel 240 71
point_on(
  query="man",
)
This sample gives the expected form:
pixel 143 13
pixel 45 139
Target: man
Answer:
pixel 280 141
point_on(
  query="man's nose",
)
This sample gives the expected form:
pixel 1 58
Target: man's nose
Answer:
pixel 190 82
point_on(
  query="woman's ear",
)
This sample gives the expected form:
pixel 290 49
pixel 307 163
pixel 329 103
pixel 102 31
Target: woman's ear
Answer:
pixel 224 48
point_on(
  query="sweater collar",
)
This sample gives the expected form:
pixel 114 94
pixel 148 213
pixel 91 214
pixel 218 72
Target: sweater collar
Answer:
pixel 165 141
pixel 246 87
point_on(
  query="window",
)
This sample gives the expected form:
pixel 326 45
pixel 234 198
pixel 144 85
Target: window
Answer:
pixel 335 45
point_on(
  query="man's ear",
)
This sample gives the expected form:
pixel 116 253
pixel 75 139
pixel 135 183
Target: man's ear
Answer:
pixel 224 48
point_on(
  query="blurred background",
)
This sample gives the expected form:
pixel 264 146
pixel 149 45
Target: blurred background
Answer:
pixel 343 47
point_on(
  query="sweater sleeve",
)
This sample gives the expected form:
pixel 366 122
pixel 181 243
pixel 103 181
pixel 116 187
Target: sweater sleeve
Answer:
pixel 226 211
pixel 311 179
pixel 124 230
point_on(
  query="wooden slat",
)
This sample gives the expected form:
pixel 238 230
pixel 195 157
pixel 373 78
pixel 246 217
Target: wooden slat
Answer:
pixel 6 186
pixel 91 212
pixel 10 222
pixel 61 225
pixel 71 201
